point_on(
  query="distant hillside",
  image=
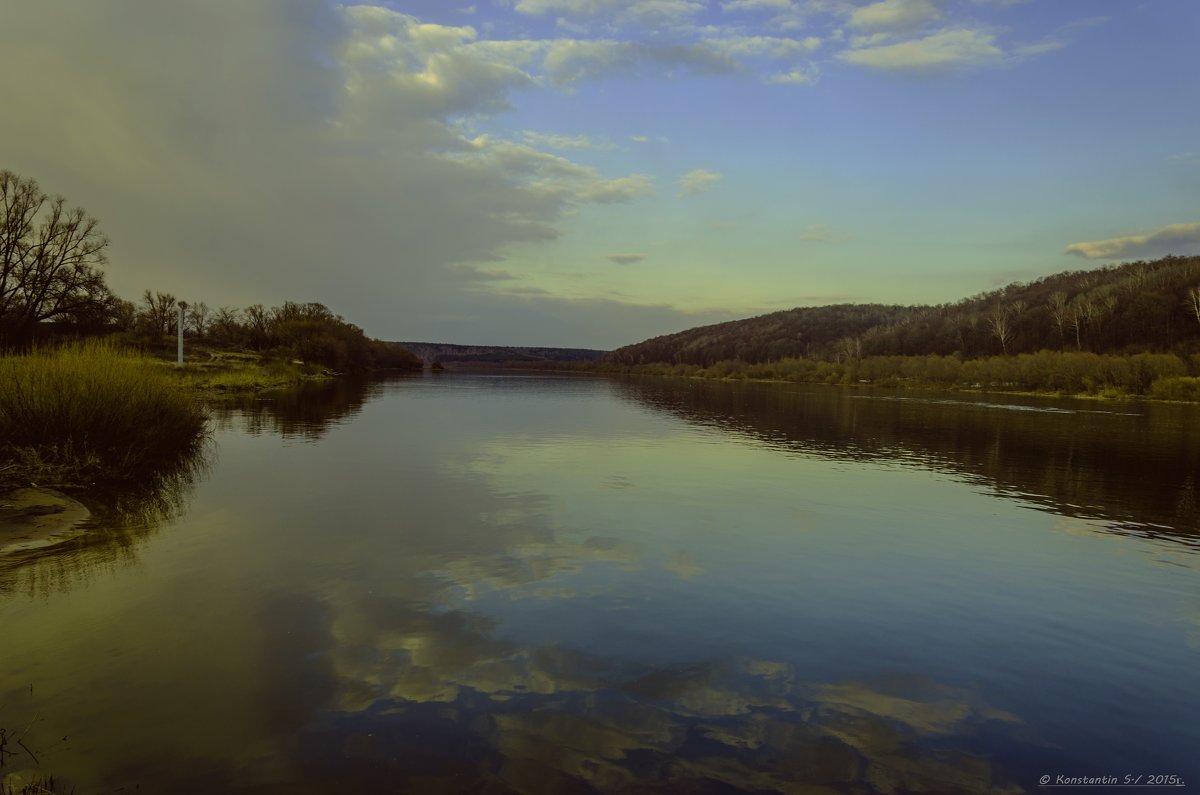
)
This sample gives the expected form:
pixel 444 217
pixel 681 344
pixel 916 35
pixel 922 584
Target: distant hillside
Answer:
pixel 810 332
pixel 496 354
pixel 1137 306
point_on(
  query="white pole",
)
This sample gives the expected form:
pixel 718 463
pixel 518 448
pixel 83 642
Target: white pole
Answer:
pixel 179 357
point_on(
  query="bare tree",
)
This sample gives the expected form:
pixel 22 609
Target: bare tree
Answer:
pixel 226 327
pixel 1058 311
pixel 1001 325
pixel 1077 314
pixel 161 311
pixel 50 258
pixel 849 349
pixel 198 318
pixel 1103 304
pixel 258 325
pixel 123 314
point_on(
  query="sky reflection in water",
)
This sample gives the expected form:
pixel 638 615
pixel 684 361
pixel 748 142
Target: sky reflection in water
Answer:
pixel 501 583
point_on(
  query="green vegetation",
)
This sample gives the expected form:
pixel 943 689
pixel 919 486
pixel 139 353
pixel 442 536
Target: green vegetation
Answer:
pixel 214 371
pixel 35 785
pixel 1182 388
pixel 1157 375
pixel 93 411
pixel 310 334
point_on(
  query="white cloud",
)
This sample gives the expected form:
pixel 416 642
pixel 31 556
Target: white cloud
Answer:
pixel 697 181
pixel 1170 239
pixel 622 12
pixel 434 66
pixel 895 15
pixel 860 41
pixel 947 49
pixel 777 47
pixel 564 142
pixel 334 153
pixel 895 46
pixel 568 61
pixel 319 154
pixel 796 77
pixel 787 16
pixel 547 175
pixel 1038 48
pixel 574 28
pixel 626 259
pixel 565 61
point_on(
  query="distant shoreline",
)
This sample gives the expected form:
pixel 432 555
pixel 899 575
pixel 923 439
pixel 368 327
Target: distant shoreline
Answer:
pixel 1142 376
pixel 654 371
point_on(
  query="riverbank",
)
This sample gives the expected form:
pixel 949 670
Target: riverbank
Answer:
pixel 222 373
pixel 902 386
pixel 35 517
pixel 1145 376
pixel 93 412
pixel 99 414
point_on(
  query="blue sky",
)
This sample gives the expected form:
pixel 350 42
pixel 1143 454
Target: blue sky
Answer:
pixel 594 172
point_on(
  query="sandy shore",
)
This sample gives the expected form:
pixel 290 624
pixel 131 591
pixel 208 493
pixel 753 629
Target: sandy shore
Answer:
pixel 37 517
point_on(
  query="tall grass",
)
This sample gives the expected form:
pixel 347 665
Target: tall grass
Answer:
pixel 94 411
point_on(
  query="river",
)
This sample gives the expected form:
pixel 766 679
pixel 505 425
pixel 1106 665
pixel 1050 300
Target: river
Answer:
pixel 530 583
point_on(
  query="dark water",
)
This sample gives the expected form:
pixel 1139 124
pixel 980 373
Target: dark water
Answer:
pixel 539 584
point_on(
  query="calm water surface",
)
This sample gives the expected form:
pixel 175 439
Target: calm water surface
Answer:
pixel 507 583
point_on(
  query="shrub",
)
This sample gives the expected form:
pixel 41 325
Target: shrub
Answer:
pixel 1178 388
pixel 95 411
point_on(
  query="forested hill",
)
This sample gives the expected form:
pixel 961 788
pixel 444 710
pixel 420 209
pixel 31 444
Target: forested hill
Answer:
pixel 1137 306
pixel 809 332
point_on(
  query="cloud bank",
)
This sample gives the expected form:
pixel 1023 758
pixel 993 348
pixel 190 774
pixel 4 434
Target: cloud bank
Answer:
pixel 357 155
pixel 1170 239
pixel 894 15
pixel 319 154
pixel 941 51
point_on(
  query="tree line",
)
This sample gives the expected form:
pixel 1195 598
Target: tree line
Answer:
pixel 310 332
pixel 1120 309
pixel 1159 375
pixel 52 284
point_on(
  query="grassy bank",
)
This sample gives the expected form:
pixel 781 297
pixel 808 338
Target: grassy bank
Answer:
pixel 1156 376
pixel 214 372
pixel 93 412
